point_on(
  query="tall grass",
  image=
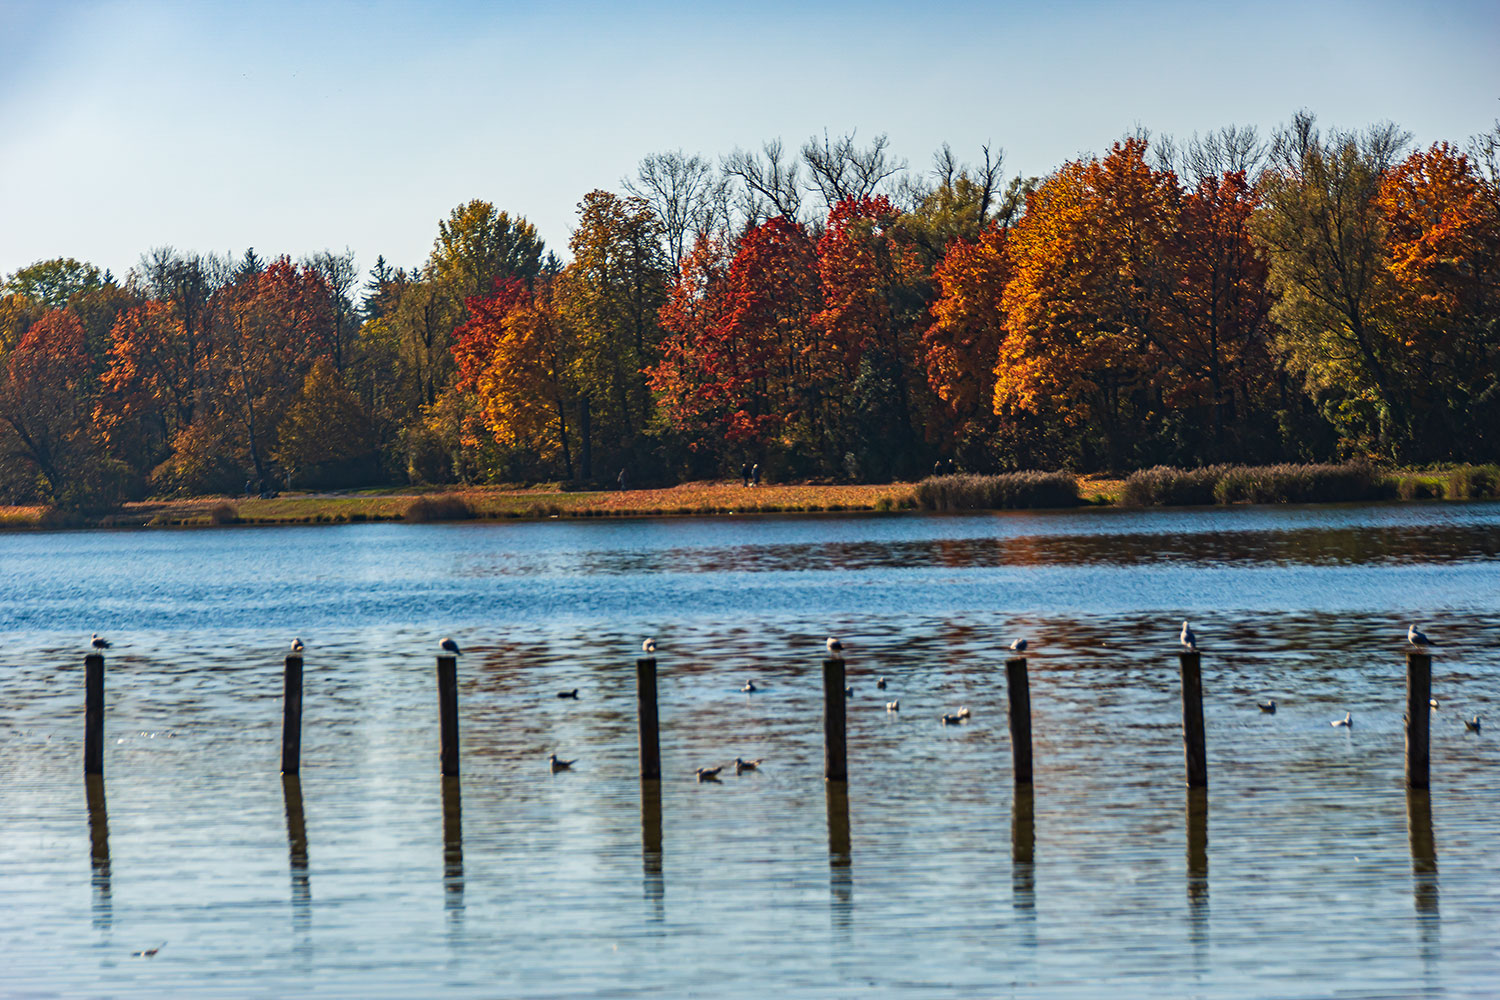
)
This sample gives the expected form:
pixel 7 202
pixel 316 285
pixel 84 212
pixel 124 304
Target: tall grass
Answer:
pixel 1010 490
pixel 447 507
pixel 1474 482
pixel 1255 484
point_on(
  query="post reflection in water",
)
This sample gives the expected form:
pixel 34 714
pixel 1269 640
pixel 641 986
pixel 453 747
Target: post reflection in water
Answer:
pixel 1023 860
pixel 453 849
pixel 840 857
pixel 1197 866
pixel 103 905
pixel 1424 869
pixel 652 882
pixel 296 840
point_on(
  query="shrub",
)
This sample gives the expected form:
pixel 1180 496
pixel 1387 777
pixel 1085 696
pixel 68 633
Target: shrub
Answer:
pixel 224 514
pixel 1298 484
pixel 447 507
pixel 1474 482
pixel 1011 490
pixel 1166 486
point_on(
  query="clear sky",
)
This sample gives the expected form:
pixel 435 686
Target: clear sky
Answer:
pixel 297 127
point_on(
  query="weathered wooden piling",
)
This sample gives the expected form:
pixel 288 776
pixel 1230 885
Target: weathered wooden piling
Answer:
pixel 1418 723
pixel 291 718
pixel 1018 690
pixel 1195 755
pixel 835 748
pixel 645 700
pixel 93 713
pixel 447 681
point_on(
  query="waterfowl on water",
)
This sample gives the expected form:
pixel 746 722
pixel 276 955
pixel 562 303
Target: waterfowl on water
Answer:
pixel 709 773
pixel 297 646
pixel 1347 720
pixel 1187 638
pixel 99 642
pixel 1019 646
pixel 741 766
pixel 1417 637
pixel 835 648
pixel 569 694
pixel 953 718
pixel 880 683
pixel 1432 703
pixel 1472 725
pixel 893 706
pixel 449 646
pixel 749 687
pixel 560 765
pixel 848 692
pixel 649 647
pixel 1269 707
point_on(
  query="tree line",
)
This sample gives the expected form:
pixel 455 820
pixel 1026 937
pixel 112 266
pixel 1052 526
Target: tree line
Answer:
pixel 825 312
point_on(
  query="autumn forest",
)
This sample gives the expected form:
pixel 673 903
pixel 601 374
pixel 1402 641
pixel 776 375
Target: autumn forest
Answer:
pixel 826 312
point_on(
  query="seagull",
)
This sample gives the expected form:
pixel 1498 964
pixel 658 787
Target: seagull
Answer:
pixel 1472 725
pixel 746 765
pixel 1269 707
pixel 1417 637
pixel 893 706
pixel 1347 720
pixel 749 687
pixel 963 713
pixel 953 719
pixel 99 642
pixel 709 773
pixel 560 765
pixel 848 692
pixel 1432 703
pixel 148 952
pixel 835 648
pixel 449 646
pixel 880 683
pixel 1019 646
pixel 569 694
pixel 1188 639
pixel 649 647
pixel 297 646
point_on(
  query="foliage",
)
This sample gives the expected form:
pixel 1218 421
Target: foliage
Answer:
pixel 1010 490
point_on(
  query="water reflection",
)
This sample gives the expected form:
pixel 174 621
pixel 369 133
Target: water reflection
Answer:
pixel 840 856
pixel 296 839
pixel 453 849
pixel 1023 861
pixel 103 905
pixel 1197 867
pixel 652 880
pixel 1424 869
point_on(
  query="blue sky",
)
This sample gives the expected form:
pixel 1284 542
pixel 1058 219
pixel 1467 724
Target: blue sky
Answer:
pixel 208 126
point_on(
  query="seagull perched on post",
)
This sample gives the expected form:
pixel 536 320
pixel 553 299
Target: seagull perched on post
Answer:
pixel 835 648
pixel 99 642
pixel 1019 646
pixel 1347 721
pixel 560 765
pixel 297 646
pixel 649 647
pixel 1417 637
pixel 449 646
pixel 1188 639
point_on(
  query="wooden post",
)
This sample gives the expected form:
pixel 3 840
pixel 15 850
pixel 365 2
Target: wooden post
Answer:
pixel 1018 689
pixel 453 844
pixel 1418 723
pixel 291 719
pixel 835 749
pixel 645 700
pixel 1192 720
pixel 447 680
pixel 93 713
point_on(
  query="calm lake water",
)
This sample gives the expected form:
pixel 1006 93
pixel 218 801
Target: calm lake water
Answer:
pixel 1307 871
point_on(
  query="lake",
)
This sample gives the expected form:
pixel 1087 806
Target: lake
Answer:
pixel 1306 871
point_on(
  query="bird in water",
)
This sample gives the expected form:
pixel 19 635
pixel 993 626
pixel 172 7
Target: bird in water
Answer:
pixel 1347 721
pixel 1472 725
pixel 99 642
pixel 880 683
pixel 449 646
pixel 569 694
pixel 1019 646
pixel 893 706
pixel 709 773
pixel 649 647
pixel 963 712
pixel 297 646
pixel 1188 639
pixel 954 718
pixel 749 687
pixel 1417 637
pixel 835 648
pixel 741 766
pixel 148 952
pixel 1269 707
pixel 1432 703
pixel 848 692
pixel 560 765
